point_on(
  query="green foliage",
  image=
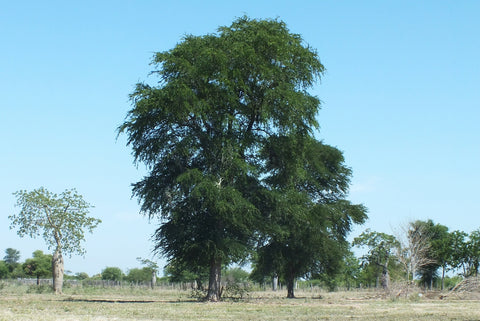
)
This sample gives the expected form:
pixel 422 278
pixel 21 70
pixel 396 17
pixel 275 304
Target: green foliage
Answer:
pixel 148 263
pixel 3 270
pixel 235 275
pixel 139 275
pixel 307 217
pixel 81 276
pixel 40 266
pixel 349 274
pixel 112 274
pixel 60 219
pixel 381 247
pixel 473 250
pixel 17 272
pixel 180 273
pixel 11 258
pixel 439 250
pixel 451 282
pixel 221 99
pixel 460 251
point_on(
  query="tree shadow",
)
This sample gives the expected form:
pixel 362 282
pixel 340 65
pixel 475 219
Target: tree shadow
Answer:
pixel 126 301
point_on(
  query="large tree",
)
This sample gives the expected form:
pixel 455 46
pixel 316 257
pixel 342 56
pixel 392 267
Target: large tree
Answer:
pixel 60 219
pixel 200 131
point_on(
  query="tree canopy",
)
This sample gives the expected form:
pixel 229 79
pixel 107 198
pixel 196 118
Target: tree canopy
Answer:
pixel 381 247
pixel 225 105
pixel 39 266
pixel 60 219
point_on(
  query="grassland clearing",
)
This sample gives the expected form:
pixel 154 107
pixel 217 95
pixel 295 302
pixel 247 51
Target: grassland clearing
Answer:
pixel 163 304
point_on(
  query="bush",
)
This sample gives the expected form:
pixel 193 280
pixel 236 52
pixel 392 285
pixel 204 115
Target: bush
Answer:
pixel 236 291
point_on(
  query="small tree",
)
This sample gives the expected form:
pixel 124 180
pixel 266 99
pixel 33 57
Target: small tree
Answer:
pixel 39 266
pixel 11 258
pixel 112 274
pixel 439 252
pixel 413 251
pixel 152 267
pixel 473 253
pixel 139 275
pixel 380 249
pixel 459 259
pixel 60 219
pixel 350 271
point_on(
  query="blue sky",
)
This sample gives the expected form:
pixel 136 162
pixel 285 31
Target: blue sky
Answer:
pixel 400 97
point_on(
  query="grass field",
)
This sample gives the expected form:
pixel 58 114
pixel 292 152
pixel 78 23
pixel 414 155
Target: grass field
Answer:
pixel 147 304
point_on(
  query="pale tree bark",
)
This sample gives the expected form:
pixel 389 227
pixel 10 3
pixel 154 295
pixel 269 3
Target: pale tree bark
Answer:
pixel 275 282
pixel 214 283
pixel 58 271
pixel 414 249
pixel 154 278
pixel 385 278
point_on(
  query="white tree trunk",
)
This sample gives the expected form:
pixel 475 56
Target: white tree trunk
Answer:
pixel 154 278
pixel 275 282
pixel 57 270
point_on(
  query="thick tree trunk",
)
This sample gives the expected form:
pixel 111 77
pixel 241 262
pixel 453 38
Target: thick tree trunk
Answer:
pixel 290 285
pixel 214 283
pixel 385 278
pixel 57 269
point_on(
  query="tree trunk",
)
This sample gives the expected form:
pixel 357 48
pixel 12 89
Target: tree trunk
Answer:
pixel 443 277
pixel 214 281
pixel 57 269
pixel 385 278
pixel 154 279
pixel 290 285
pixel 275 283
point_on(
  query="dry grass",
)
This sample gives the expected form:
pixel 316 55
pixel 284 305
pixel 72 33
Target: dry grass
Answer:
pixel 144 304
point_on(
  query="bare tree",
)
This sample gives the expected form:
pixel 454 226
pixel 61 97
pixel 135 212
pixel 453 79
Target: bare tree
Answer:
pixel 414 248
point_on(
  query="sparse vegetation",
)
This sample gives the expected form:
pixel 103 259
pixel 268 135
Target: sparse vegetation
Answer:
pixel 126 303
